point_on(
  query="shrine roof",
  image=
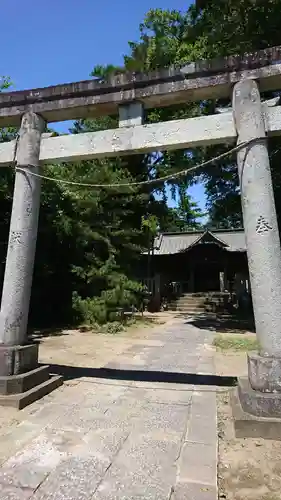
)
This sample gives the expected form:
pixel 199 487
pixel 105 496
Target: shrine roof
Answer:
pixel 174 243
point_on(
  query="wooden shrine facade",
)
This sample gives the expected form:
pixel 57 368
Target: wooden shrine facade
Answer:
pixel 201 261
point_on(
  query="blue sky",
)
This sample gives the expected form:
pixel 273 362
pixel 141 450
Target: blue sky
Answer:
pixel 61 41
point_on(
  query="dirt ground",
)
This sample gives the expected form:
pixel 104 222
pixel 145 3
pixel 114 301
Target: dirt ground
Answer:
pixel 249 469
pixel 95 350
pixel 231 364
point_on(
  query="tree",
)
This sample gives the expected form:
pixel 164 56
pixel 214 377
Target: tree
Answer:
pixel 118 222
pixel 109 238
pixel 171 37
pixel 168 37
pixel 256 26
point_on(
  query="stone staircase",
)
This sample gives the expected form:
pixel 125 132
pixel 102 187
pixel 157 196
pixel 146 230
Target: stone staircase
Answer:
pixel 201 303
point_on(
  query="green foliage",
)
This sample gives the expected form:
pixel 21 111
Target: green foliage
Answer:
pixel 114 327
pixel 5 83
pixel 172 37
pixel 248 25
pixel 150 224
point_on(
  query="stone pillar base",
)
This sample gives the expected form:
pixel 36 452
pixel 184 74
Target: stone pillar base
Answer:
pixel 260 404
pixel 249 425
pixel 256 402
pixel 18 359
pixel 22 381
pixel 264 373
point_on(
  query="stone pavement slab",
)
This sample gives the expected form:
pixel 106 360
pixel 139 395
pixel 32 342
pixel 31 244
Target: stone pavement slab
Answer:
pixel 198 463
pixel 76 478
pixel 194 491
pixel 144 468
pixel 13 493
pixel 103 439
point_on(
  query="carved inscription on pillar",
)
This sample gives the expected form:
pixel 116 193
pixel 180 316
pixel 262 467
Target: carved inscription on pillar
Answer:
pixel 262 225
pixel 15 238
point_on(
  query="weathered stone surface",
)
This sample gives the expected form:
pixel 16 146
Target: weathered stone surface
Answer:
pixel 251 426
pixel 26 358
pixel 198 463
pixel 203 403
pixel 194 491
pixel 78 417
pixel 7 357
pixel 156 416
pixel 29 467
pixel 131 114
pixel 12 493
pixel 259 216
pixel 23 477
pixel 168 396
pixel 23 233
pixel 97 396
pixel 15 384
pixel 23 399
pixel 260 404
pixel 143 469
pixel 76 478
pixel 202 426
pixel 105 441
pixel 43 414
pixel 201 430
pixel 176 134
pixel 18 359
pixel 264 373
pixel 14 440
pixel 109 439
pixel 159 88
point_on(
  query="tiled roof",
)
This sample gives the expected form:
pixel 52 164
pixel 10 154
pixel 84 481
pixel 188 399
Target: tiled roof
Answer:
pixel 172 243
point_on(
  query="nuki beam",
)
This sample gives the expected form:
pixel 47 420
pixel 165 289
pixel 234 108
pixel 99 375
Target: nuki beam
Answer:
pixel 164 87
pixel 176 134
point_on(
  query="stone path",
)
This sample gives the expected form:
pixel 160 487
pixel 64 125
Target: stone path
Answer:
pixel 108 439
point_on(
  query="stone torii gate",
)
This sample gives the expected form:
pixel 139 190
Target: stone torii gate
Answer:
pixel 250 120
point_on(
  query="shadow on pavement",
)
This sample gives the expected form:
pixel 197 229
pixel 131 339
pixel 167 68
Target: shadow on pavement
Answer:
pixel 74 372
pixel 223 325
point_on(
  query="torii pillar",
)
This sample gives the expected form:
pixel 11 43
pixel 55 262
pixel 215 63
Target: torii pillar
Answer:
pixel 260 393
pixel 22 380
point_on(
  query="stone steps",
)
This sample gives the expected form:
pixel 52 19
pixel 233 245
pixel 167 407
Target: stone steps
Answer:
pixel 200 303
pixel 22 399
pixel 191 307
pixel 206 294
pixel 197 303
pixel 206 315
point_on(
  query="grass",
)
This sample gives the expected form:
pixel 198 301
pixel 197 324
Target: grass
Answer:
pixel 232 342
